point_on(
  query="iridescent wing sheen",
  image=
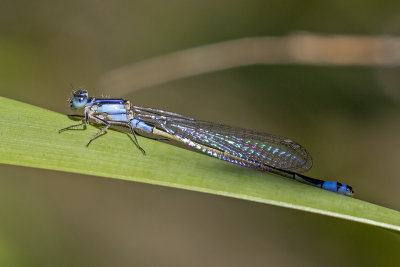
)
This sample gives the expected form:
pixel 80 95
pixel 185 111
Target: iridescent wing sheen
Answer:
pixel 278 152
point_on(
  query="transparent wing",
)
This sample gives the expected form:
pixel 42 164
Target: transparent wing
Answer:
pixel 275 151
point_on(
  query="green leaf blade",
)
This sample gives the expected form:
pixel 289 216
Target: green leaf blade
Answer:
pixel 29 137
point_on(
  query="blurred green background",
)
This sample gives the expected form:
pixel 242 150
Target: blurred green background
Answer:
pixel 347 118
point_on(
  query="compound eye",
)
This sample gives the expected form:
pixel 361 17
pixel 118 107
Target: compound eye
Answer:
pixel 78 102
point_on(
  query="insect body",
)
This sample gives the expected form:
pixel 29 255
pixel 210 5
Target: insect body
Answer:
pixel 239 146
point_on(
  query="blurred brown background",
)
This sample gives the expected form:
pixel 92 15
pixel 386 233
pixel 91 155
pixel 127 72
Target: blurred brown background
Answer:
pixel 347 116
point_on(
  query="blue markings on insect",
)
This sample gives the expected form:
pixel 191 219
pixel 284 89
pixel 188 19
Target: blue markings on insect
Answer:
pixel 344 189
pixel 135 123
pixel 122 117
pixel 337 187
pixel 331 186
pixel 262 151
pixel 110 108
pixel 109 101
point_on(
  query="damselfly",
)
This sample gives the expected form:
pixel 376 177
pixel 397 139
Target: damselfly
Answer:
pixel 239 146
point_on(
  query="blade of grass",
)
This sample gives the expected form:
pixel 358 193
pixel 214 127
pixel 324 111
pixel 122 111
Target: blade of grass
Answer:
pixel 29 137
